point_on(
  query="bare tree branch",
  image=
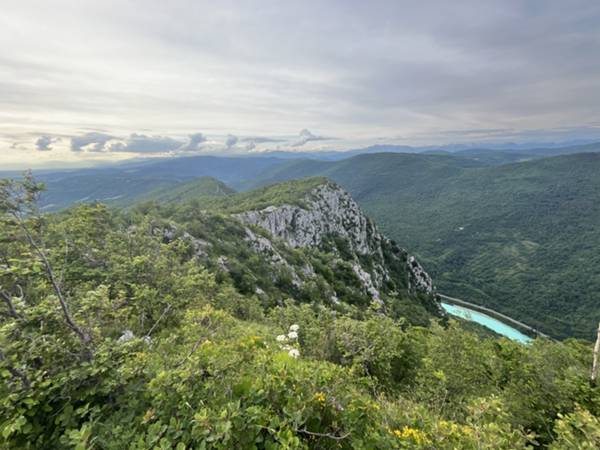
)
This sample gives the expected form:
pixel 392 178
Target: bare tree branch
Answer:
pixel 167 309
pixel 12 312
pixel 594 375
pixel 83 336
pixel 195 346
pixel 62 272
pixel 325 435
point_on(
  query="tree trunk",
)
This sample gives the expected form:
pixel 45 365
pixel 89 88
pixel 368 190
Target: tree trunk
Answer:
pixel 594 376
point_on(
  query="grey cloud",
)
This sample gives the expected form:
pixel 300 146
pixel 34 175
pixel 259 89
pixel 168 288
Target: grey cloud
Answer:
pixel 135 143
pixel 358 69
pixel 194 143
pixel 306 136
pixel 253 141
pixel 141 143
pixel 230 141
pixel 43 143
pixel 92 142
pixel 261 139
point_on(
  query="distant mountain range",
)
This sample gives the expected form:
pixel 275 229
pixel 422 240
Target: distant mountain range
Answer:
pixel 497 153
pixel 133 182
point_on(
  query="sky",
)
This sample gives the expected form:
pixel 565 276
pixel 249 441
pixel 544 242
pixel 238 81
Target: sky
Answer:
pixel 88 81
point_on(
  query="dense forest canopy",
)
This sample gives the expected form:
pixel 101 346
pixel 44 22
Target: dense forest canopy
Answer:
pixel 520 238
pixel 116 334
pixel 514 232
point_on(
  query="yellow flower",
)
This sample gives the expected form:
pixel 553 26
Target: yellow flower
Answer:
pixel 320 397
pixel 417 436
pixel 467 430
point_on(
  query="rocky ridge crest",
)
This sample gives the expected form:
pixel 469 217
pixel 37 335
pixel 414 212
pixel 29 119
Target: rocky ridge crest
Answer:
pixel 329 214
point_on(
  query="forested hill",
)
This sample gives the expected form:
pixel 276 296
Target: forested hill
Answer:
pixel 332 253
pixel 520 238
pixel 279 319
pixel 516 237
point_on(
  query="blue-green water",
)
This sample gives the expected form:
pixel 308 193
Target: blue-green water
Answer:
pixel 486 321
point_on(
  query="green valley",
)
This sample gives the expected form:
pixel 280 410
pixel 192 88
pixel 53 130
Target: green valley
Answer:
pixel 521 238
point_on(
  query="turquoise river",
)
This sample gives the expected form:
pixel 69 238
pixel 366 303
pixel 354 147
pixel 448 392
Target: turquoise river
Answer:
pixel 487 321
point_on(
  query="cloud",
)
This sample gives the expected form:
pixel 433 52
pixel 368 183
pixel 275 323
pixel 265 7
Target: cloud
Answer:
pixel 253 141
pixel 134 143
pixel 230 141
pixel 43 143
pixel 141 143
pixel 472 65
pixel 16 146
pixel 261 139
pixel 194 143
pixel 90 142
pixel 306 136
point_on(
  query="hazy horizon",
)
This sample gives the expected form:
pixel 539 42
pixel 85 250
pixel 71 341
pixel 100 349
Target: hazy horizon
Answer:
pixel 84 83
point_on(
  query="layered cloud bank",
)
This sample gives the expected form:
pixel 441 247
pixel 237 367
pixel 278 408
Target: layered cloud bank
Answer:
pixel 91 79
pixel 137 143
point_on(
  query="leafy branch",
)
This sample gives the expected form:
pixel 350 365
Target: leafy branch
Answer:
pixel 19 200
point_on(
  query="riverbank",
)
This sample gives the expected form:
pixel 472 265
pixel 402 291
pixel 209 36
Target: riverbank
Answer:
pixel 476 317
pixel 518 325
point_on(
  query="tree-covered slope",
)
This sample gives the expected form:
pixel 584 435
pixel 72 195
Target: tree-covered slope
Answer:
pixel 505 156
pixel 375 172
pixel 200 189
pixel 125 184
pixel 125 190
pixel 318 244
pixel 164 326
pixel 520 238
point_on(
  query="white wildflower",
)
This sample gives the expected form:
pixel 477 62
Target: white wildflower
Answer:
pixel 285 347
pixel 126 337
pixel 293 335
pixel 281 338
pixel 294 327
pixel 294 353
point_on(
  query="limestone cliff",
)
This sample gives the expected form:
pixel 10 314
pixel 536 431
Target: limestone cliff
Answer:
pixel 329 219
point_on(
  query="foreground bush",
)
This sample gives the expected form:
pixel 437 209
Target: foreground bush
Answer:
pixel 120 339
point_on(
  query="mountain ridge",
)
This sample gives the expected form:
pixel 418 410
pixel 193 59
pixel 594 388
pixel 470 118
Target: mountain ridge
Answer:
pixel 317 218
pixel 330 211
pixel 514 237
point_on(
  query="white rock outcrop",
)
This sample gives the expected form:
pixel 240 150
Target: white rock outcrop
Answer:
pixel 419 279
pixel 330 211
pixel 327 211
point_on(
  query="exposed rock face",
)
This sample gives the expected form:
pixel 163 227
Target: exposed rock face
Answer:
pixel 329 211
pixel 126 337
pixel 366 280
pixel 170 233
pixel 263 245
pixel 419 278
